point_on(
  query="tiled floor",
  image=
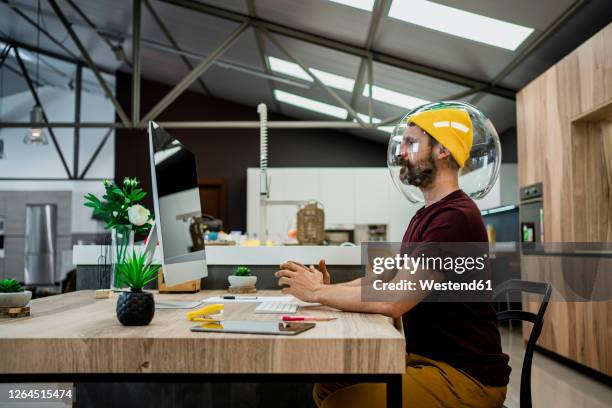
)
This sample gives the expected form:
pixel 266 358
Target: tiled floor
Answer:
pixel 553 384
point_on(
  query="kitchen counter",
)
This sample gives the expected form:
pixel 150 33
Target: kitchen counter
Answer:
pixel 344 263
pixel 572 249
pixel 240 255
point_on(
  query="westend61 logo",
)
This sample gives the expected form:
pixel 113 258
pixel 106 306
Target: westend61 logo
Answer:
pixel 449 271
pixel 411 264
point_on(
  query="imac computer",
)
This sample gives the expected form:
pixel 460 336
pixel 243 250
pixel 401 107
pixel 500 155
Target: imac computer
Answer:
pixel 176 198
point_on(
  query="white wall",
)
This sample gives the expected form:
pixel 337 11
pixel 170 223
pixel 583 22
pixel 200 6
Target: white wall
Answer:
pixel 23 161
pixel 508 175
pixel 350 196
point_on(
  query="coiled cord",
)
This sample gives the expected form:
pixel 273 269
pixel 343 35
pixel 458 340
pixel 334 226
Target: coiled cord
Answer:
pixel 262 109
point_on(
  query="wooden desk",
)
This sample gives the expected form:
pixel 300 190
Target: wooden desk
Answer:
pixel 76 334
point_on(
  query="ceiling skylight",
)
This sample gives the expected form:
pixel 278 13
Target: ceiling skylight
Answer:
pixel 461 23
pixel 366 5
pixel 324 108
pixel 393 98
pixel 332 80
pixel 25 55
pixel 366 119
pixel 310 104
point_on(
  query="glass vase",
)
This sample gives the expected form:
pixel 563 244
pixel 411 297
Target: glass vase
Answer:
pixel 122 244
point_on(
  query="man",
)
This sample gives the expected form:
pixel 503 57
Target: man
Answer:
pixel 454 355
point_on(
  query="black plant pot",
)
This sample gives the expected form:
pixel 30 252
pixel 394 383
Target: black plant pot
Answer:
pixel 135 308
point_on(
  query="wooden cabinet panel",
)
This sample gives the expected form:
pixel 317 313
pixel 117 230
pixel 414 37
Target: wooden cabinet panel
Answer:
pixel 578 330
pixel 546 109
pixel 564 137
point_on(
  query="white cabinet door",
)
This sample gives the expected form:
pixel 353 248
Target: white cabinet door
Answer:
pixel 294 184
pixel 400 213
pixel 337 193
pixel 371 196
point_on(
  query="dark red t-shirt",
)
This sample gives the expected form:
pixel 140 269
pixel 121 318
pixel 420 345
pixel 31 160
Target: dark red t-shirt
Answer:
pixel 463 334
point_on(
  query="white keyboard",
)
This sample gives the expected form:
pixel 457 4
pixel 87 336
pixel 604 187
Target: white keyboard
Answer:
pixel 276 307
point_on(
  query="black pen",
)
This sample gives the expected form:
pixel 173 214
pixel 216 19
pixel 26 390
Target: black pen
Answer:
pixel 238 297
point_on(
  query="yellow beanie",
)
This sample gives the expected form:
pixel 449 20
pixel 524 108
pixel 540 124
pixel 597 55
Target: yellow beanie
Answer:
pixel 451 127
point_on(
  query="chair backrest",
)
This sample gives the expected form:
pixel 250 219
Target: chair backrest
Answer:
pixel 540 288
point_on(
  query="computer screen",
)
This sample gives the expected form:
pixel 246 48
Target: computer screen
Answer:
pixel 176 198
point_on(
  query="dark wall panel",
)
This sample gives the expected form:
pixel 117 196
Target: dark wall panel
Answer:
pixel 508 145
pixel 227 153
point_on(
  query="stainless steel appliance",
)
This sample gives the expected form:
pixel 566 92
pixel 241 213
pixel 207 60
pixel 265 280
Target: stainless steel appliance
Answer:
pixel 532 213
pixel 40 244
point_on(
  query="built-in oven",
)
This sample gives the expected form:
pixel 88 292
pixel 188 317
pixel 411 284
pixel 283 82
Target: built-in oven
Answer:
pixel 531 213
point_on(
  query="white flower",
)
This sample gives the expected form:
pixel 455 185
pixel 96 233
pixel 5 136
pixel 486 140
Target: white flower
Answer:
pixel 138 215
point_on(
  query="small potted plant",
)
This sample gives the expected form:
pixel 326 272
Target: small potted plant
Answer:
pixel 242 278
pixel 12 294
pixel 136 307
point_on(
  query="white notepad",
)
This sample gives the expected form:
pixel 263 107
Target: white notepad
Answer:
pixel 249 299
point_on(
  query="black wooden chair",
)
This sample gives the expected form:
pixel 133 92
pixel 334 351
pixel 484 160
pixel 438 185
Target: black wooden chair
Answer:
pixel 520 286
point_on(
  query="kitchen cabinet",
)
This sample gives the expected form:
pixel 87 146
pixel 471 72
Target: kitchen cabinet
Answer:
pixel 564 140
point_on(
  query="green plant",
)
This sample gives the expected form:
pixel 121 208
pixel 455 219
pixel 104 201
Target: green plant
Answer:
pixel 10 286
pixel 242 271
pixel 115 203
pixel 136 270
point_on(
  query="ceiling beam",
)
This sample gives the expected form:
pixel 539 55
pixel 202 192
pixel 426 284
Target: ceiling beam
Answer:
pixel 289 124
pixel 48 53
pixel 172 41
pixel 38 102
pixel 39 28
pixel 91 25
pixel 90 63
pixel 136 60
pixel 232 124
pixel 228 65
pixel 315 78
pixel 261 45
pixel 345 47
pixel 96 153
pixel 77 118
pixel 193 75
pixel 381 7
pixel 392 120
pixel 534 45
pixel 4 54
pixel 82 125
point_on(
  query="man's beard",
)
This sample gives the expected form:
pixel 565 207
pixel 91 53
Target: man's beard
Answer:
pixel 420 175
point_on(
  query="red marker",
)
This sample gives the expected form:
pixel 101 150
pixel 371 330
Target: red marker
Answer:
pixel 307 319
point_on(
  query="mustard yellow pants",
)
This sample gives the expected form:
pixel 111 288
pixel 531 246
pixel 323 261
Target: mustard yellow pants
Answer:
pixel 426 384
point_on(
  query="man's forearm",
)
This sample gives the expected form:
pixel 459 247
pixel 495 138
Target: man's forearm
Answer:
pixel 348 298
pixel 354 282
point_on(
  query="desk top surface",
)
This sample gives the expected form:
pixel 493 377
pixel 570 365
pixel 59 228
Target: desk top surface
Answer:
pixel 75 333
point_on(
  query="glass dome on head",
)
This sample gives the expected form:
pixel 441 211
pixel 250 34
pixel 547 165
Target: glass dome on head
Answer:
pixel 463 130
